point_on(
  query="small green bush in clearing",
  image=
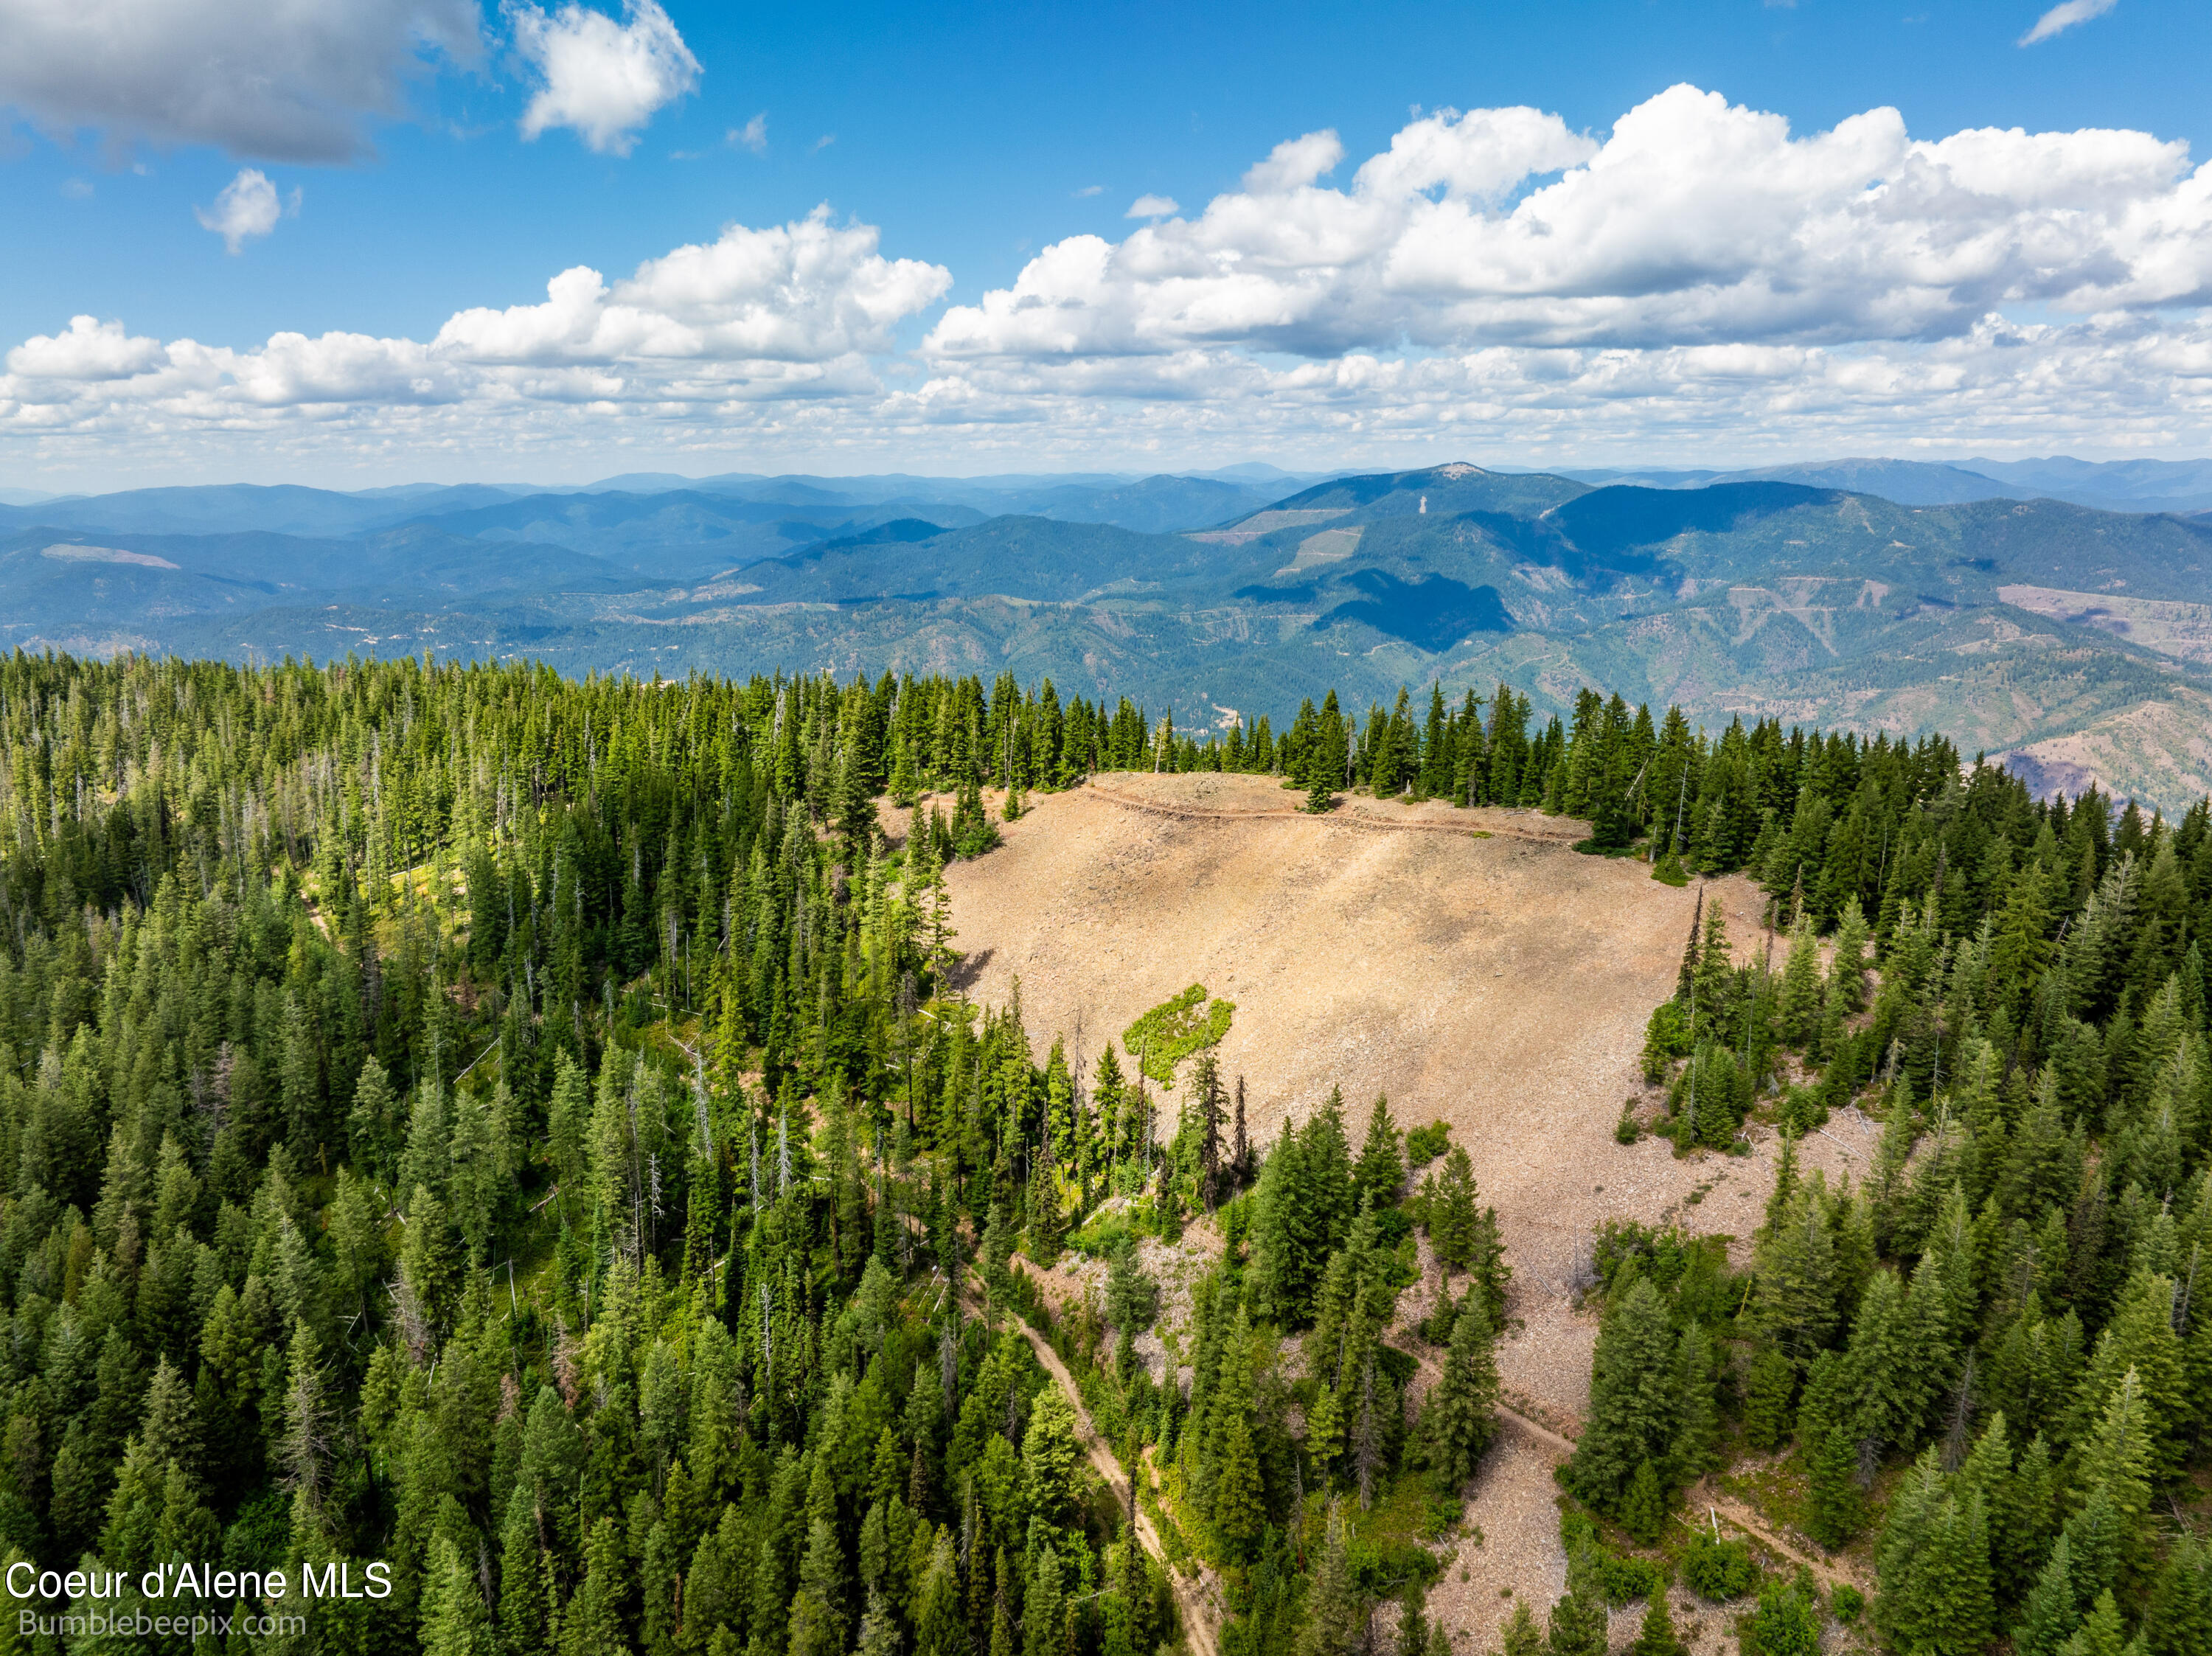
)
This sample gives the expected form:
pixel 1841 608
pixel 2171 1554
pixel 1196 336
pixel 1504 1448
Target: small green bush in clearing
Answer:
pixel 1424 1144
pixel 1718 1570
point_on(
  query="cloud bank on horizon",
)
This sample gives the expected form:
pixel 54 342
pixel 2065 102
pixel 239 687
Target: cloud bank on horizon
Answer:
pixel 1491 279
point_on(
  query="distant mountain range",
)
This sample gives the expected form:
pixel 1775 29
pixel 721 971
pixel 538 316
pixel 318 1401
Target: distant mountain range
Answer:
pixel 2184 486
pixel 2060 612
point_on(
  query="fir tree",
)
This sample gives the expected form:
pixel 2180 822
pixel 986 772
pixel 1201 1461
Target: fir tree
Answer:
pixel 2178 1619
pixel 454 1620
pixel 1830 1453
pixel 1521 1636
pixel 1658 1637
pixel 1577 1625
pixel 1769 1390
pixel 1238 1514
pixel 1634 1411
pixel 2051 1613
pixel 1461 1414
pixel 1787 1621
pixel 1454 1217
pixel 1335 1618
pixel 2100 1632
pixel 1381 1168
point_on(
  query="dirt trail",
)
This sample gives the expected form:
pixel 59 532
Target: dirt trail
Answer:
pixel 1703 1494
pixel 1732 1511
pixel 1355 813
pixel 1500 984
pixel 1197 1617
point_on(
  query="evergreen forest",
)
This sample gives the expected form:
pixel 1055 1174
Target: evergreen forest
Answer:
pixel 534 1135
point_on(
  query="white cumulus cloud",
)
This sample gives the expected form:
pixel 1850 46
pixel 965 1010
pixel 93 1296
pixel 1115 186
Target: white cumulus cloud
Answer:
pixel 1694 222
pixel 90 351
pixel 791 313
pixel 248 206
pixel 1150 207
pixel 2065 15
pixel 804 293
pixel 288 82
pixel 753 136
pixel 602 78
pixel 1698 279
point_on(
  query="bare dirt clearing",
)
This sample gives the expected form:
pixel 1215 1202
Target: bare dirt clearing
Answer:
pixel 1500 983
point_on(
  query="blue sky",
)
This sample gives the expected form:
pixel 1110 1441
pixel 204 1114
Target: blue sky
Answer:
pixel 969 141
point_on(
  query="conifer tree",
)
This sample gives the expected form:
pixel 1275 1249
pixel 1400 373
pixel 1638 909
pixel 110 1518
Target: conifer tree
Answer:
pixel 1520 1635
pixel 1412 1632
pixel 1658 1637
pixel 591 1622
pixel 1042 1616
pixel 2140 1338
pixel 1367 1437
pixel 2115 1461
pixel 1830 1453
pixel 1800 1010
pixel 1324 1439
pixel 1577 1625
pixel 1696 1430
pixel 1335 1618
pixel 454 1620
pixel 1381 1168
pixel 2100 1632
pixel 1795 1293
pixel 2051 1613
pixel 1770 1388
pixel 1239 1512
pixel 1461 1414
pixel 1050 1457
pixel 1934 1560
pixel 2178 1619
pixel 1634 1411
pixel 1687 979
pixel 1454 1217
pixel 1787 1621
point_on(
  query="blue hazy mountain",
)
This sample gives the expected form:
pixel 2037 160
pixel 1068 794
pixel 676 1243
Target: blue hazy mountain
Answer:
pixel 2184 486
pixel 1901 595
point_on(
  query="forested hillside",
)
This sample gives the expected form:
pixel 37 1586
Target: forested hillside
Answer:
pixel 2068 636
pixel 531 1133
pixel 1990 1351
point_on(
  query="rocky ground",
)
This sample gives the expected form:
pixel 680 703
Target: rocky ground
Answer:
pixel 1467 964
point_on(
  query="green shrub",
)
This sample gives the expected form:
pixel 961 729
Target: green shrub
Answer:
pixel 1845 1602
pixel 1627 1579
pixel 1666 1038
pixel 1107 1234
pixel 1424 1144
pixel 1623 1579
pixel 1176 1029
pixel 1718 1570
pixel 1786 1623
pixel 1437 1518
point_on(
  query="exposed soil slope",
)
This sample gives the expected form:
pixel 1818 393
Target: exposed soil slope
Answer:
pixel 1499 984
